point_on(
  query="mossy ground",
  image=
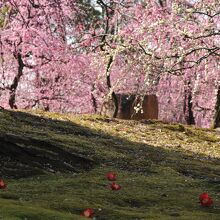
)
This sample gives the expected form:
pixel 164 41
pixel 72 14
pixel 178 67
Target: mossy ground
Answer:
pixel 162 168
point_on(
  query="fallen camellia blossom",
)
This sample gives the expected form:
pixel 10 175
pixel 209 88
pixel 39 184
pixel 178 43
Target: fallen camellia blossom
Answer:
pixel 205 200
pixel 2 184
pixel 115 186
pixel 111 176
pixel 88 213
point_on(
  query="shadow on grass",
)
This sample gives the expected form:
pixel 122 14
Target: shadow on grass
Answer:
pixel 31 145
pixel 41 144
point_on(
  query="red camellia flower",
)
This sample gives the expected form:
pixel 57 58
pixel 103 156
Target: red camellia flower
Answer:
pixel 88 213
pixel 2 184
pixel 111 176
pixel 115 186
pixel 205 200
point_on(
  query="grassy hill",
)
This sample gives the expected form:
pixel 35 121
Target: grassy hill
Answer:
pixel 55 167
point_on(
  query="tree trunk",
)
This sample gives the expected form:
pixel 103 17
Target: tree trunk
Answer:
pixel 14 85
pixel 188 106
pixel 216 121
pixel 94 102
pixel 112 94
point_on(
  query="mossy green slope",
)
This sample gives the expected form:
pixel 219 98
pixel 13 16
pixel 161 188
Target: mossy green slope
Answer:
pixel 162 168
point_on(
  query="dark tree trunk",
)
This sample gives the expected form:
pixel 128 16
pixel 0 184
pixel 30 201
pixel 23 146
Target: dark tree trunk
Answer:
pixel 94 102
pixel 191 120
pixel 216 121
pixel 14 85
pixel 113 96
pixel 162 3
pixel 189 117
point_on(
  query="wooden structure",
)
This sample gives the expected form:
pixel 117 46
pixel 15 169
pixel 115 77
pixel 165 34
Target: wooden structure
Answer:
pixel 127 104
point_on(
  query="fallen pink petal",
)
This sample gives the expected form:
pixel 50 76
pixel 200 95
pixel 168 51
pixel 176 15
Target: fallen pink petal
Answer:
pixel 2 184
pixel 111 176
pixel 115 186
pixel 88 213
pixel 205 200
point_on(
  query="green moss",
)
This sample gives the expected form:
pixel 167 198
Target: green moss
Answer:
pixel 162 168
pixel 11 210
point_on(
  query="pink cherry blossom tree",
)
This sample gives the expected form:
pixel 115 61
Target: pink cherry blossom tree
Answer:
pixel 178 42
pixel 41 41
pixel 168 47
